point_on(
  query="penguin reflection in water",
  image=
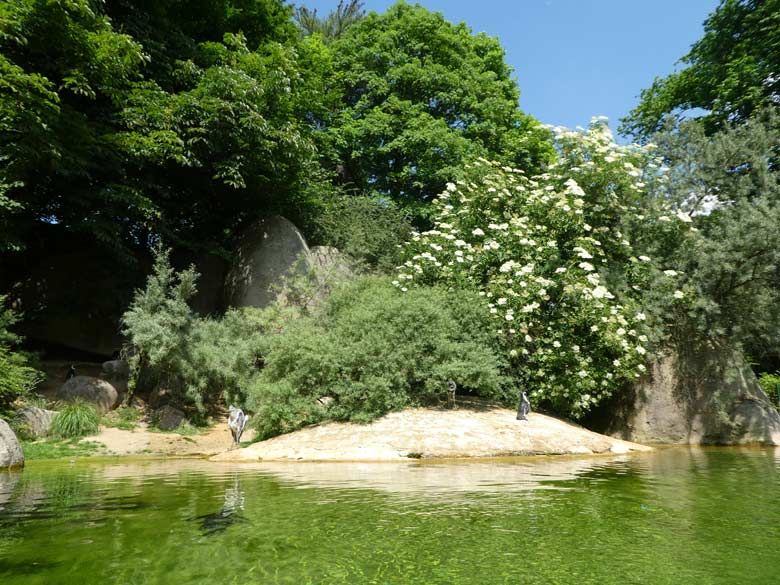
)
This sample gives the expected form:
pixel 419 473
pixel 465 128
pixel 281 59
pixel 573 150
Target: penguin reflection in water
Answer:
pixel 229 514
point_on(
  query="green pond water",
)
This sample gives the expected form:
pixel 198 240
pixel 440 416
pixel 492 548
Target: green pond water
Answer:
pixel 676 516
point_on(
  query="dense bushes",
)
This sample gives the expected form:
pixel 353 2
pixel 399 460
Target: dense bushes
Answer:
pixel 368 347
pixel 197 360
pixel 17 377
pixel 373 349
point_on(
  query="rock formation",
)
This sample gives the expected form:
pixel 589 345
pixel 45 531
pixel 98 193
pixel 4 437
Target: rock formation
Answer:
pixel 703 395
pixel 93 390
pixel 36 420
pixel 11 454
pixel 268 252
pixel 168 418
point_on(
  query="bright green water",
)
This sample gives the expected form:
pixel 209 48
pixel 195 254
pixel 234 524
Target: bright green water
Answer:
pixel 677 516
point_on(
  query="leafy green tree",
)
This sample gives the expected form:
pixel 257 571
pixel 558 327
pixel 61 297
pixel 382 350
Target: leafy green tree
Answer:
pixel 419 96
pixel 63 73
pixel 17 376
pixel 732 71
pixel 729 185
pixel 335 24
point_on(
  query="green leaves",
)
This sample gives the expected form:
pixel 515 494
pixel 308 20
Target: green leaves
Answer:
pixel 731 71
pixel 372 350
pixel 419 97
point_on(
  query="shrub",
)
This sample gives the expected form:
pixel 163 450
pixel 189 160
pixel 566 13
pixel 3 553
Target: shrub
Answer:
pixel 368 229
pixel 17 377
pixel 771 385
pixel 372 350
pixel 124 417
pixel 198 359
pixel 75 419
pixel 559 259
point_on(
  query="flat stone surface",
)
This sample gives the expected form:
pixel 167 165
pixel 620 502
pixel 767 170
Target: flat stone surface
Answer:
pixel 434 433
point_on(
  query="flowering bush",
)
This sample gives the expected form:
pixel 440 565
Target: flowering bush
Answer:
pixel 558 260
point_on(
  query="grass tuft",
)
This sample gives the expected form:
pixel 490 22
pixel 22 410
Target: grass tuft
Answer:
pixel 75 419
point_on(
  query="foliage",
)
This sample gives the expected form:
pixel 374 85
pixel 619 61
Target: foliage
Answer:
pixel 373 350
pixel 189 124
pixel 771 385
pixel 64 71
pixel 124 417
pixel 728 184
pixel 368 229
pixel 75 419
pixel 417 96
pixel 198 359
pixel 335 24
pixel 59 449
pixel 732 71
pixel 17 376
pixel 559 258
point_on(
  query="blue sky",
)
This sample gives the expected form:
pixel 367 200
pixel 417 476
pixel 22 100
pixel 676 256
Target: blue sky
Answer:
pixel 575 59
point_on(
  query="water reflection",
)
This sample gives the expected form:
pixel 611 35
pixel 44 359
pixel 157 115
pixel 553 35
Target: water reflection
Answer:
pixel 229 514
pixel 668 517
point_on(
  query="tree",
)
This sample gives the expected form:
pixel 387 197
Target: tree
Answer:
pixel 63 74
pixel 335 24
pixel 17 376
pixel 560 261
pixel 419 96
pixel 730 267
pixel 731 72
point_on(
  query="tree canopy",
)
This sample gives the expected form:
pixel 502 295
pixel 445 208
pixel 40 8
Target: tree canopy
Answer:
pixel 417 98
pixel 731 72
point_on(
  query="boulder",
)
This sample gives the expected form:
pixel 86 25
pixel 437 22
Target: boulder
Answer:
pixel 329 264
pixel 11 454
pixel 168 418
pixel 94 390
pixel 702 395
pixel 117 373
pixel 159 396
pixel 268 252
pixel 36 420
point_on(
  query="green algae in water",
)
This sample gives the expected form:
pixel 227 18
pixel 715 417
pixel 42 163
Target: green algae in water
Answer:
pixel 677 516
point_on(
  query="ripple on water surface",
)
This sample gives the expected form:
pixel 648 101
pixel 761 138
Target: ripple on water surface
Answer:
pixel 676 516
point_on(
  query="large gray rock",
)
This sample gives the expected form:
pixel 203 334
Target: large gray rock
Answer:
pixel 168 418
pixel 36 420
pixel 117 373
pixel 11 454
pixel 94 390
pixel 268 252
pixel 705 395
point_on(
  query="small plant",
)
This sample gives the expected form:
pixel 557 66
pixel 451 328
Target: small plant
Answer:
pixel 124 417
pixel 75 419
pixel 771 385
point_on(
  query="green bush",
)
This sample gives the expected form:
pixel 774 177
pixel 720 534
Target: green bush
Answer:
pixel 75 419
pixel 771 385
pixel 17 377
pixel 199 360
pixel 368 229
pixel 124 417
pixel 374 349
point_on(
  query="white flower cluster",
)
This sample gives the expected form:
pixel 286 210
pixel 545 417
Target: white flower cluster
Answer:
pixel 540 250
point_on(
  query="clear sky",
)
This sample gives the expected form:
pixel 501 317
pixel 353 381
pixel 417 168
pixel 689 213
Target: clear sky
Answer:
pixel 575 59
